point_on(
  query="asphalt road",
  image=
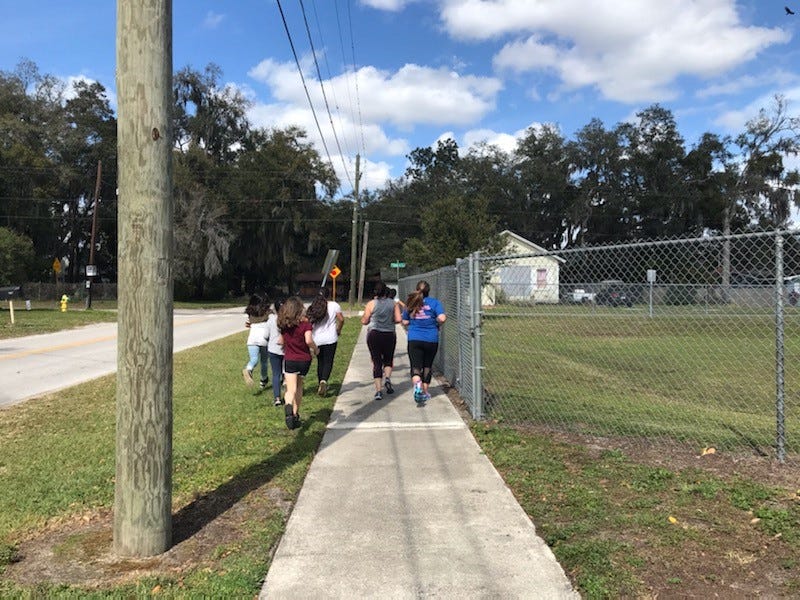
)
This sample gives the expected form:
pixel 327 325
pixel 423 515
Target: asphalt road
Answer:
pixel 40 364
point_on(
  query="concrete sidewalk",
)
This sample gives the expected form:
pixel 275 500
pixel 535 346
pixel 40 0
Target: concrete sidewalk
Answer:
pixel 400 502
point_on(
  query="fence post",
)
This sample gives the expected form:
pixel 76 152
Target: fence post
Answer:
pixel 475 310
pixel 459 367
pixel 780 430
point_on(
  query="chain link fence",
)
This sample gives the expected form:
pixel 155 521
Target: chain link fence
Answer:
pixel 690 341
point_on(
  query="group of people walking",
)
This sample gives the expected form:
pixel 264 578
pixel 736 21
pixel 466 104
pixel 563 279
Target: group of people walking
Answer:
pixel 286 338
pixel 422 315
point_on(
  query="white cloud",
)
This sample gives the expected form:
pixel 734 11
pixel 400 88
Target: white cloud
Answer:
pixel 506 142
pixel 390 5
pixel 212 20
pixel 630 50
pixel 733 121
pixel 773 77
pixel 413 95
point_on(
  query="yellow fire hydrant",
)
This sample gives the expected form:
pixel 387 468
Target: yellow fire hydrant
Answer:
pixel 64 300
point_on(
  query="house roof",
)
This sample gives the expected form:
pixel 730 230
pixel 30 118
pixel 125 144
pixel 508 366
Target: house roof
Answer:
pixel 534 248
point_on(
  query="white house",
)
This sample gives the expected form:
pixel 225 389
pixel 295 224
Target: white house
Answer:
pixel 523 276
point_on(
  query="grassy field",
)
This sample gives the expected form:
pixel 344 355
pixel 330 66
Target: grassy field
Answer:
pixel 230 446
pixel 708 380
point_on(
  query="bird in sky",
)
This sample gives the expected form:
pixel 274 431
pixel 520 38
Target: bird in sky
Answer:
pixel 788 10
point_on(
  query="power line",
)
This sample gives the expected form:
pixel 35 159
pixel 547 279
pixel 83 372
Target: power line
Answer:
pixel 355 72
pixel 324 96
pixel 330 78
pixel 344 60
pixel 303 79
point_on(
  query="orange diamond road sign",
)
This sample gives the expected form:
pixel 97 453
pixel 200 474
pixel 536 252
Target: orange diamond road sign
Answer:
pixel 335 272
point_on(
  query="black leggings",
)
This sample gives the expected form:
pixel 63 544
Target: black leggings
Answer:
pixel 381 346
pixel 421 355
pixel 325 361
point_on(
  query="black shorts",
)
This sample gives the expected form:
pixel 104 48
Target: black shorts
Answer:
pixel 296 367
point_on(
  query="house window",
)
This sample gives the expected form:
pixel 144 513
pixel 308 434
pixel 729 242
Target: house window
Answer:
pixel 541 279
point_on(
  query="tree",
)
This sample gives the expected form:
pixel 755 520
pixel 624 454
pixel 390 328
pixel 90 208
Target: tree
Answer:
pixel 281 220
pixel 761 186
pixel 655 155
pixel 16 257
pixel 599 212
pixel 545 171
pixel 452 228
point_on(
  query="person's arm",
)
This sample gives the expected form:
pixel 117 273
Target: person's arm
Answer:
pixel 398 317
pixel 310 343
pixel 367 312
pixel 339 323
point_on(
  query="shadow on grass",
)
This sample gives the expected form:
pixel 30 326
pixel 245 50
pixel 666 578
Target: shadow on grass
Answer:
pixel 193 517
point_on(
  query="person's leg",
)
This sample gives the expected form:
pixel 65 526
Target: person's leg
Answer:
pixel 291 390
pixel 374 346
pixel 263 358
pixel 416 356
pixel 427 367
pixel 247 372
pixel 276 365
pixel 325 366
pixel 388 361
pixel 298 396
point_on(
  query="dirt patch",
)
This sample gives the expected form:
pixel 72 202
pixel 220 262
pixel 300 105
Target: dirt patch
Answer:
pixel 78 551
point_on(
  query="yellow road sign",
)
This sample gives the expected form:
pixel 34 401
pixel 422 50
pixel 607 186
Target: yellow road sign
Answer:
pixel 56 265
pixel 335 272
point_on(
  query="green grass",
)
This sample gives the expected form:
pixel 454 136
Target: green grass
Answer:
pixel 709 380
pixel 46 320
pixel 57 461
pixel 607 518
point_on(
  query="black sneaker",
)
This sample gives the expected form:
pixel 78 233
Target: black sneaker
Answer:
pixel 388 385
pixel 297 422
pixel 279 402
pixel 378 395
pixel 263 384
pixel 288 412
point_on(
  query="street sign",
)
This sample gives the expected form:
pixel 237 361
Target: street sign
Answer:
pixel 335 272
pixel 91 270
pixel 56 265
pixel 398 265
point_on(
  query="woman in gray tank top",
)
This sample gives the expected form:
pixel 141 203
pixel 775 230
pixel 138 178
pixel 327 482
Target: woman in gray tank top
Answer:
pixel 381 315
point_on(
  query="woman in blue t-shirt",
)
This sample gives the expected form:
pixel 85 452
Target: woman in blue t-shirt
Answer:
pixel 422 317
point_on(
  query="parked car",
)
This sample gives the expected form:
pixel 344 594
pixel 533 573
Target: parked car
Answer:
pixel 613 293
pixel 581 296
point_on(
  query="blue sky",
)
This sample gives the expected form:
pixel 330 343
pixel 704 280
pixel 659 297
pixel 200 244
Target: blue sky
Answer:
pixel 473 70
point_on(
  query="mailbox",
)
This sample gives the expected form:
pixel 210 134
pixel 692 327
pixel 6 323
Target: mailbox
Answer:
pixel 10 292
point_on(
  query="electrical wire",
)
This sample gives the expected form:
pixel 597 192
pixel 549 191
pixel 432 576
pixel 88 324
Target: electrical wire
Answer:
pixel 303 79
pixel 324 95
pixel 355 71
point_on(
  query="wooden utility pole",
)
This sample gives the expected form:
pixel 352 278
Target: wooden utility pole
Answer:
pixel 363 263
pixel 143 489
pixel 351 296
pixel 94 234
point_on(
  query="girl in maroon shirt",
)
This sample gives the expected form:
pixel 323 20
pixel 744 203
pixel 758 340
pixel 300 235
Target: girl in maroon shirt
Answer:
pixel 298 350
